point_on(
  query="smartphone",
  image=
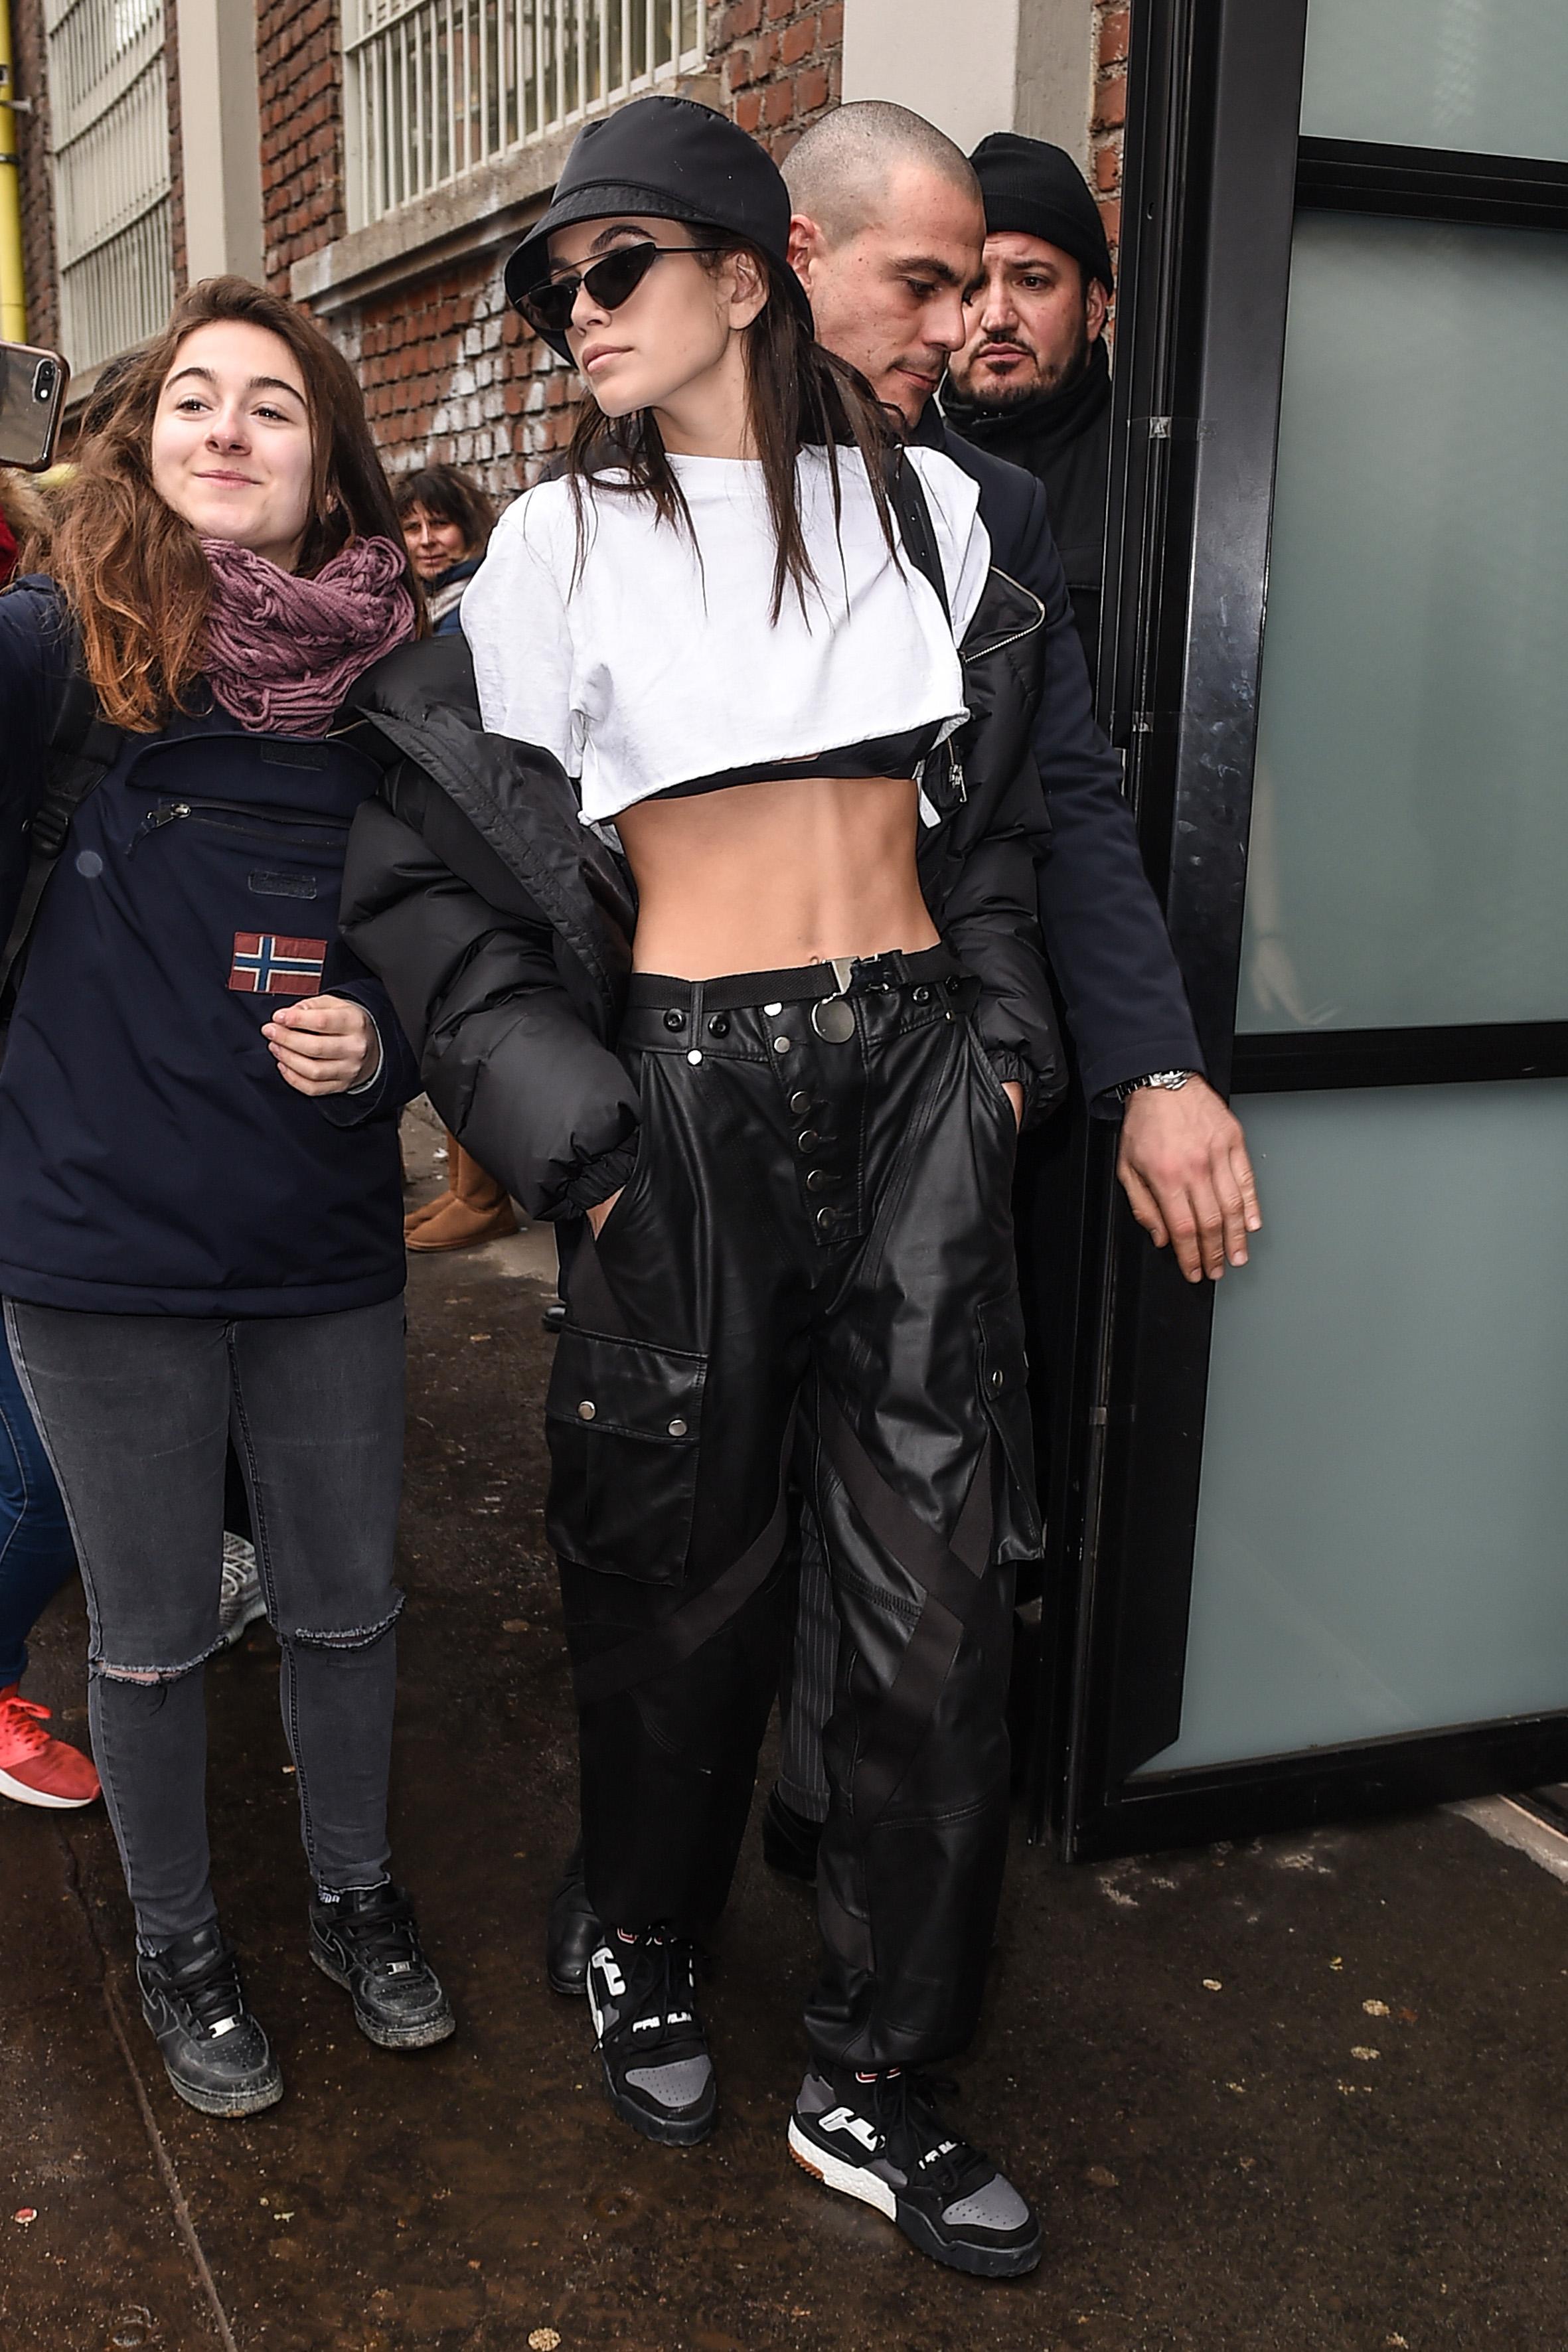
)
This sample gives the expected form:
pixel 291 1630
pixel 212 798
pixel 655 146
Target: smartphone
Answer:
pixel 32 399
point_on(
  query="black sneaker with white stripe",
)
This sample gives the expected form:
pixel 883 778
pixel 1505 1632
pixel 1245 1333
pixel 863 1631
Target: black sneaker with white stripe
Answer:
pixel 880 2138
pixel 653 2052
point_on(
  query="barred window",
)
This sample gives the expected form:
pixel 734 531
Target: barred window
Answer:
pixel 110 109
pixel 437 86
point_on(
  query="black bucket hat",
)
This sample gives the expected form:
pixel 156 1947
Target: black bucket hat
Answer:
pixel 674 160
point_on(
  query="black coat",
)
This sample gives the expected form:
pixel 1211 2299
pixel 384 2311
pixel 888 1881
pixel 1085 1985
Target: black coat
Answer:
pixel 1126 1006
pixel 1064 440
pixel 501 924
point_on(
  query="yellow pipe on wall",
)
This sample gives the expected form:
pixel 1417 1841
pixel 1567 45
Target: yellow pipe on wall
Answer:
pixel 13 278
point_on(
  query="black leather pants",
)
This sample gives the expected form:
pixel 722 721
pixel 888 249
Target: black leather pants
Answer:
pixel 810 1268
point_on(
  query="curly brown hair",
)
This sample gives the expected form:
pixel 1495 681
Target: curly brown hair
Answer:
pixel 133 570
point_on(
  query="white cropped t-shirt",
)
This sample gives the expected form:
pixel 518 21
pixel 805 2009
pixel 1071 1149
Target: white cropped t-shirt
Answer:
pixel 654 662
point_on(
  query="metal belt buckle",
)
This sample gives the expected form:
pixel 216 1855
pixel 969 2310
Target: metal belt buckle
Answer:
pixel 833 1018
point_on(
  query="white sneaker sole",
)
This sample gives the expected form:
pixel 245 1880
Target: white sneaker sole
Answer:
pixel 24 1795
pixel 849 2179
pixel 866 2188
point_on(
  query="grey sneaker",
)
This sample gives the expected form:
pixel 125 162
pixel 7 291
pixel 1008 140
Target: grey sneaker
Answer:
pixel 239 1595
pixel 642 1992
pixel 879 2137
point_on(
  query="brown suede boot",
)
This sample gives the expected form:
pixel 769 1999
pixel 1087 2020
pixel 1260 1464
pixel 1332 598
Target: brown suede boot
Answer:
pixel 417 1217
pixel 477 1209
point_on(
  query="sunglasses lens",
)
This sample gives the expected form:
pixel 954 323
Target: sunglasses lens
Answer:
pixel 548 308
pixel 617 279
pixel 610 282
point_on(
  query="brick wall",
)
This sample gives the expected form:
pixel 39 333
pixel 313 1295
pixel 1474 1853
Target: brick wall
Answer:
pixel 452 376
pixel 779 65
pixel 37 195
pixel 177 154
pixel 300 68
pixel 1109 113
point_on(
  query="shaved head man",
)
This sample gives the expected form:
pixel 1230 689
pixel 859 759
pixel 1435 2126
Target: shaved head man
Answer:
pixel 887 239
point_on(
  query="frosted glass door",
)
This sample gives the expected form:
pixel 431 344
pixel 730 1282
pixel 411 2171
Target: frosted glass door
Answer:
pixel 1409 852
pixel 1486 76
pixel 1382 1521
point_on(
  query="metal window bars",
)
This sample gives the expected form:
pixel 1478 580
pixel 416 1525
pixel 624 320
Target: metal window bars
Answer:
pixel 110 109
pixel 435 87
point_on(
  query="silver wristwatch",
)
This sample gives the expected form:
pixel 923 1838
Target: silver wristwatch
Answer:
pixel 1170 1081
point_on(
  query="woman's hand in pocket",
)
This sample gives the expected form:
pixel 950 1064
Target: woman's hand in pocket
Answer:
pixel 1015 1094
pixel 600 1210
pixel 324 1045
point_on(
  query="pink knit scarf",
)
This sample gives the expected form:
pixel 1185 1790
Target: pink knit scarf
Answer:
pixel 282 651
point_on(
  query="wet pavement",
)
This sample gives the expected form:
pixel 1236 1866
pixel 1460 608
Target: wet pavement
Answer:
pixel 1306 2095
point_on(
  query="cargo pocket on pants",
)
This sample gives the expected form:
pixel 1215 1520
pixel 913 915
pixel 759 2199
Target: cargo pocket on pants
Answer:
pixel 623 1420
pixel 1004 1394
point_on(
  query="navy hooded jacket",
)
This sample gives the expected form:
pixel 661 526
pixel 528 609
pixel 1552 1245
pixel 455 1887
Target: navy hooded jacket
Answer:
pixel 153 1159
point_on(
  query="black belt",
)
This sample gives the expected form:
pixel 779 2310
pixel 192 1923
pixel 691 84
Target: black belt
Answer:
pixel 806 983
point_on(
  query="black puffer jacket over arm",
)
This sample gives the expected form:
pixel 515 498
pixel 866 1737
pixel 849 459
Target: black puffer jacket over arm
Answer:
pixel 500 926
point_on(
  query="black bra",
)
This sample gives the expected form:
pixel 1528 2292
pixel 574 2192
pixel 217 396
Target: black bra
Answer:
pixel 880 755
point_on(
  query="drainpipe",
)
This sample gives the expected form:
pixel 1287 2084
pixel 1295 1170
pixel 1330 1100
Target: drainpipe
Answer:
pixel 13 283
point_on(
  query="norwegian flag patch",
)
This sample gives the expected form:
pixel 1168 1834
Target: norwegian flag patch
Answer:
pixel 267 964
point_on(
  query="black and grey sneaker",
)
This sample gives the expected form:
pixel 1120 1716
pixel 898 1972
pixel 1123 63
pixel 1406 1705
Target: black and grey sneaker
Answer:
pixel 641 1990
pixel 214 2052
pixel 880 2138
pixel 241 1600
pixel 367 1940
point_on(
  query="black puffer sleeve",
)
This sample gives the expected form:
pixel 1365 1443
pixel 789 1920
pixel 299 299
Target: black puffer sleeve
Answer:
pixel 505 1052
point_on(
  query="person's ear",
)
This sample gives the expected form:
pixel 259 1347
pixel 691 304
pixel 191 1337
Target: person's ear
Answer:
pixel 1095 309
pixel 749 288
pixel 807 245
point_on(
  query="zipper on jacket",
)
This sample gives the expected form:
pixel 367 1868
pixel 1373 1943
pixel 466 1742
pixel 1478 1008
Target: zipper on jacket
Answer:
pixel 1017 636
pixel 305 833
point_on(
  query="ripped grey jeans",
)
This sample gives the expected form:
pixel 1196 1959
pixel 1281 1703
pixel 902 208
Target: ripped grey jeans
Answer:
pixel 136 1412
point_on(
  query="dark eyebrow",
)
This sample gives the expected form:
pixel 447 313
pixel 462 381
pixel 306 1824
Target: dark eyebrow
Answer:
pixel 927 265
pixel 256 383
pixel 619 229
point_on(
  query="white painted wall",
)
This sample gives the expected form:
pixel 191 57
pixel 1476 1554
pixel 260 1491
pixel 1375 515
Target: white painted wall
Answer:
pixel 220 138
pixel 975 65
pixel 954 62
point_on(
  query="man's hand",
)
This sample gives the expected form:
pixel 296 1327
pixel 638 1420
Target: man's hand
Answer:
pixel 1015 1094
pixel 1185 1167
pixel 323 1044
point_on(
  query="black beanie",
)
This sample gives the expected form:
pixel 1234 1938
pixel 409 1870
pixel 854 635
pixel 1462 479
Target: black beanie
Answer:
pixel 1038 190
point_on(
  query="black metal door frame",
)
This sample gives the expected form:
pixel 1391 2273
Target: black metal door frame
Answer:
pixel 1214 174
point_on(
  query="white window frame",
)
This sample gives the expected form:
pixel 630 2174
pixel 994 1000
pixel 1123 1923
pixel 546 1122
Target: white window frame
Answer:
pixel 434 89
pixel 109 107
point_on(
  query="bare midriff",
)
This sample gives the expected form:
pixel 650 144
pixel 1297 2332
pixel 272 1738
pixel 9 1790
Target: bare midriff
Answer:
pixel 762 878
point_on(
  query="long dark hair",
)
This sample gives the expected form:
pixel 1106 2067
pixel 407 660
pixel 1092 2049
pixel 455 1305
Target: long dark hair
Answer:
pixel 798 394
pixel 132 570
